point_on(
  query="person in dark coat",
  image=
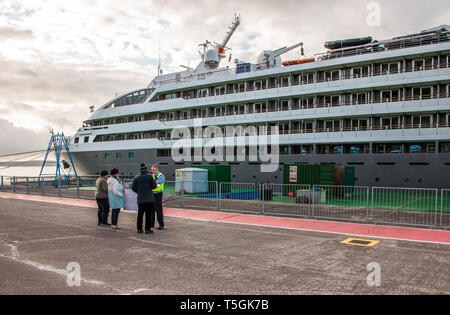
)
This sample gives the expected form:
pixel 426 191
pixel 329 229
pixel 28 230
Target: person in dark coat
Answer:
pixel 143 186
pixel 101 196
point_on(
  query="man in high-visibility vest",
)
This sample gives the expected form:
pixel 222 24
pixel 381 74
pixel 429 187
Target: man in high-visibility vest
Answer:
pixel 158 194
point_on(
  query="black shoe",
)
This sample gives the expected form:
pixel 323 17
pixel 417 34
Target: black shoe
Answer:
pixel 149 232
pixel 140 231
pixel 161 228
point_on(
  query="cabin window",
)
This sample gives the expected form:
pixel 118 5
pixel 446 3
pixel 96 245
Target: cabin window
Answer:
pixel 202 92
pixel 171 96
pixel 284 105
pixel 86 139
pixel 77 140
pixel 418 64
pixel 394 67
pixel 335 75
pixel 396 148
pixel 390 122
pixel 360 98
pixel 107 156
pixel 380 148
pixel 422 121
pixel 308 102
pixel 220 90
pixel 332 125
pixel 307 78
pixel 285 81
pixel 390 96
pixel 308 127
pixel 422 93
pixel 118 156
pixel 131 155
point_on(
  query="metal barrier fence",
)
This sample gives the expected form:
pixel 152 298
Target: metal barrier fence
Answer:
pixel 287 200
pixel 378 205
pixel 405 206
pixel 445 208
pixel 198 194
pixel 350 203
pixel 240 197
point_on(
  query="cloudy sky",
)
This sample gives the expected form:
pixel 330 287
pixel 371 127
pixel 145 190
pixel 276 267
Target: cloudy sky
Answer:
pixel 58 57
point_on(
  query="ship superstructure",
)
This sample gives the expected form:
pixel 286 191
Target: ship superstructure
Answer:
pixel 380 106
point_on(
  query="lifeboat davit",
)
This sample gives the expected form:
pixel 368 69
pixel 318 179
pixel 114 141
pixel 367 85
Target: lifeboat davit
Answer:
pixel 297 62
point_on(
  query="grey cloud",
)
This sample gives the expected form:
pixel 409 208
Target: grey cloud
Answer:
pixel 13 33
pixel 65 91
pixel 163 22
pixel 15 139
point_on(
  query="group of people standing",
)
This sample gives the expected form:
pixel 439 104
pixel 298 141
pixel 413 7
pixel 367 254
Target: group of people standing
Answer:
pixel 149 188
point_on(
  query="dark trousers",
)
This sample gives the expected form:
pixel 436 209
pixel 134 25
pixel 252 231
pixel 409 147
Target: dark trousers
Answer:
pixel 103 210
pixel 115 216
pixel 147 209
pixel 159 210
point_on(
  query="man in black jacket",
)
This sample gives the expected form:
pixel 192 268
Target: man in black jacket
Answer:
pixel 143 186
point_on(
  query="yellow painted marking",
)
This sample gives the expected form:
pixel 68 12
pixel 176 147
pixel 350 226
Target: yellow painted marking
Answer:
pixel 360 242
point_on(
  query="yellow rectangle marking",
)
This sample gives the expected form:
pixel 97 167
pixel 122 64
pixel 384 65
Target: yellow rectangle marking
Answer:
pixel 360 242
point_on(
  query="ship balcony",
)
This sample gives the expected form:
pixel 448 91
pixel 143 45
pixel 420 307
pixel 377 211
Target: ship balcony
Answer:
pixel 381 134
pixel 336 86
pixel 377 107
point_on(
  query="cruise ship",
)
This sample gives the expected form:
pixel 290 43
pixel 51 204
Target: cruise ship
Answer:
pixel 381 106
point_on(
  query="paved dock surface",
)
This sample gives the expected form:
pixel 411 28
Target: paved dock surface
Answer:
pixel 38 240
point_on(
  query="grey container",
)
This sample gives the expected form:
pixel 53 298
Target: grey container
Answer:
pixel 191 180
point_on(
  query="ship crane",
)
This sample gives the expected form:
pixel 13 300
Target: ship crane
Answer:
pixel 221 48
pixel 269 59
pixel 212 56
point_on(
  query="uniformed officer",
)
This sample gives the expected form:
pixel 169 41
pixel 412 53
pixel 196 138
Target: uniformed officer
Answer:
pixel 158 194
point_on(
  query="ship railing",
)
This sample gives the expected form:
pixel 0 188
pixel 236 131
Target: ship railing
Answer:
pixel 387 45
pixel 278 108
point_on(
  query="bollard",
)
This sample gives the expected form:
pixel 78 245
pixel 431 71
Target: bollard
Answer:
pixel 78 188
pixel 182 193
pixel 371 213
pixel 59 186
pixel 368 198
pixel 43 186
pixel 262 189
pixel 220 196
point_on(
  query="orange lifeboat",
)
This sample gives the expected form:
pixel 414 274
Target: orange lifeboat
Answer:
pixel 297 62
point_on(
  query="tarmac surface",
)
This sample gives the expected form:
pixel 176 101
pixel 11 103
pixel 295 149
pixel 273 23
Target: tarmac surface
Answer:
pixel 38 240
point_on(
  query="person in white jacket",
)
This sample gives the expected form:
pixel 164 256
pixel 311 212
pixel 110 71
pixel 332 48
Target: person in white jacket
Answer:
pixel 115 196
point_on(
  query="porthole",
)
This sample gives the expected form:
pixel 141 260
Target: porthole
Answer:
pixel 420 180
pixel 377 180
pixel 407 180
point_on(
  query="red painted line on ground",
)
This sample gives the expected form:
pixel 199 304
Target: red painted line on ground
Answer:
pixel 376 231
